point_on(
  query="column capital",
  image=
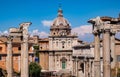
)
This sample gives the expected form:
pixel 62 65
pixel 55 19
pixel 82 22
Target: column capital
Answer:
pixel 9 38
pixel 96 32
pixel 106 30
pixel 112 33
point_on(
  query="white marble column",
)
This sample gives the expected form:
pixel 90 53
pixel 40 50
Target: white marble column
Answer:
pixel 51 61
pixel 76 64
pixel 9 57
pixel 97 54
pixel 86 68
pixel 24 50
pixel 80 72
pixel 90 69
pixel 113 50
pixel 74 67
pixel 106 53
pixel 77 67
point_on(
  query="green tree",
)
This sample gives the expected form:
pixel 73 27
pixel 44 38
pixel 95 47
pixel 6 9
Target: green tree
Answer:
pixel 118 72
pixel 34 69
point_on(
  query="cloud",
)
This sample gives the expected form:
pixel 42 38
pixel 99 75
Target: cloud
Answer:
pixel 82 30
pixel 4 33
pixel 46 23
pixel 88 37
pixel 41 34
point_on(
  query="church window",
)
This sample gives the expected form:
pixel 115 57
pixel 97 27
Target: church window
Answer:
pixel 63 44
pixel 69 43
pixel 56 43
pixel 63 64
pixel 19 48
pixel 118 58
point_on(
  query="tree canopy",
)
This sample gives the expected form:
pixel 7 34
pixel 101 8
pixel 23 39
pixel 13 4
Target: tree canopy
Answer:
pixel 34 69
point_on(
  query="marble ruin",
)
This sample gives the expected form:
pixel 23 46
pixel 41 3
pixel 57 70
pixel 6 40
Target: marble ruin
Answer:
pixel 21 32
pixel 108 27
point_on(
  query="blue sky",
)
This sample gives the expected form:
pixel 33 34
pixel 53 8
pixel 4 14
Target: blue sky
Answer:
pixel 77 12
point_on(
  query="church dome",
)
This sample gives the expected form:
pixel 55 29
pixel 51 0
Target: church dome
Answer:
pixel 60 20
pixel 60 26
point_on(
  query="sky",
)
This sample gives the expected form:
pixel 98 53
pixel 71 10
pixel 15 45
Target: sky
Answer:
pixel 42 12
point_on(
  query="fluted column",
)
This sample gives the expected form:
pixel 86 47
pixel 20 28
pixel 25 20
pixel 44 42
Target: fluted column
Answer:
pixel 106 53
pixel 9 58
pixel 97 54
pixel 24 52
pixel 113 57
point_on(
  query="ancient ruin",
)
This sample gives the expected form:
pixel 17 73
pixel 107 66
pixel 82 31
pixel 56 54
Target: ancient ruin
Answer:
pixel 63 53
pixel 108 27
pixel 21 32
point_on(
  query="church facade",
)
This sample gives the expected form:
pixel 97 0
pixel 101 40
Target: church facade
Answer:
pixel 61 42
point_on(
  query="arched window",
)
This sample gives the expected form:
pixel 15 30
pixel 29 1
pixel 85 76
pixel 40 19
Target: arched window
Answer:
pixel 63 62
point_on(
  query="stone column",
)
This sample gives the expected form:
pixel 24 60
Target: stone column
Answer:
pixel 9 58
pixel 76 64
pixel 74 67
pixel 86 68
pixel 77 67
pixel 90 69
pixel 24 50
pixel 106 53
pixel 97 54
pixel 113 57
pixel 80 74
pixel 51 61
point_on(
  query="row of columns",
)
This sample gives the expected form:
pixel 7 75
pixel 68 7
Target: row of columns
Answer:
pixel 108 48
pixel 24 52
